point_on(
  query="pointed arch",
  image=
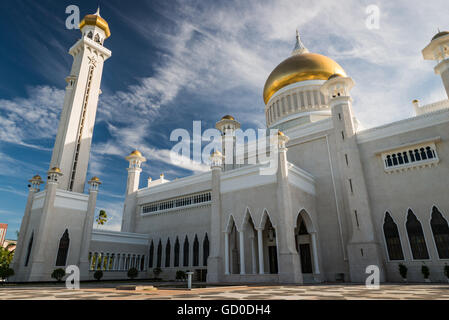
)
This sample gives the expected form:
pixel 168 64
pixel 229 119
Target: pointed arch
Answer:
pixel 176 262
pixel 392 238
pixel 230 224
pixel 304 217
pixel 63 249
pixel 30 246
pixel 416 237
pixel 159 254
pixel 167 253
pixel 247 218
pixel 205 250
pixel 186 252
pixel 440 230
pixel 196 252
pixel 151 255
pixel 265 216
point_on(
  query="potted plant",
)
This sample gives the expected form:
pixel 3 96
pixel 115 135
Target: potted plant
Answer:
pixel 133 273
pixel 426 272
pixel 58 274
pixel 157 272
pixel 446 271
pixel 403 272
pixel 98 275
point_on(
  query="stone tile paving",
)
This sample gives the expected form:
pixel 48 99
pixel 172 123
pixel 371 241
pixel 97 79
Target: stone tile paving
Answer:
pixel 256 292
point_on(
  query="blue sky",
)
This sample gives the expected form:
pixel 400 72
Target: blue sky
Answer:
pixel 174 62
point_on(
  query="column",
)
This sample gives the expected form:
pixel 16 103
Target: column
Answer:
pixel 260 243
pixel 253 254
pixel 91 256
pixel 226 248
pixel 242 252
pixel 315 253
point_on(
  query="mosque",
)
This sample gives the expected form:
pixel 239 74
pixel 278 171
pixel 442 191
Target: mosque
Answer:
pixel 341 199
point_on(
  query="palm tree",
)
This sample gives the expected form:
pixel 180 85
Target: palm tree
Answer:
pixel 102 218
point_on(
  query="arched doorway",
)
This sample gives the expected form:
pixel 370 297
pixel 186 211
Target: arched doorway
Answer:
pixel 270 252
pixel 303 245
pixel 306 244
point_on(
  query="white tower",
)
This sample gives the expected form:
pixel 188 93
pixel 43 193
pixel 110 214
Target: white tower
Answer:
pixel 135 160
pixel 363 247
pixel 227 126
pixel 73 140
pixel 438 50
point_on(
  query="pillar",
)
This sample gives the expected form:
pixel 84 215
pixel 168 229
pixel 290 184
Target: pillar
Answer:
pixel 315 253
pixel 242 251
pixel 261 252
pixel 226 252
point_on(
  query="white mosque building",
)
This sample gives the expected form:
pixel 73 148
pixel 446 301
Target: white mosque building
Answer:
pixel 340 200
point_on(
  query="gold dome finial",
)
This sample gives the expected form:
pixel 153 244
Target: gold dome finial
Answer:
pixel 299 46
pixel 96 20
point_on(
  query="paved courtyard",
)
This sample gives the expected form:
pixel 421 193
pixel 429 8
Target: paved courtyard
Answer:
pixel 309 292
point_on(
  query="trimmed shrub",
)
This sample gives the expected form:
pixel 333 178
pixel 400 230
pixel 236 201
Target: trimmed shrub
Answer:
pixel 6 272
pixel 133 273
pixel 58 274
pixel 180 275
pixel 157 272
pixel 425 271
pixel 98 275
pixel 403 271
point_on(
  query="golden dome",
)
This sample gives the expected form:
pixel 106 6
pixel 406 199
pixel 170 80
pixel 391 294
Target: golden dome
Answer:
pixel 55 169
pixel 440 34
pixel 37 177
pixel 96 20
pixel 228 117
pixel 95 179
pixel 135 153
pixel 280 133
pixel 300 67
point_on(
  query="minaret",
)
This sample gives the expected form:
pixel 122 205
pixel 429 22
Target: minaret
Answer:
pixel 363 248
pixel 135 160
pixel 438 50
pixel 73 140
pixel 289 259
pixel 227 126
pixel 33 188
pixel 86 237
pixel 214 262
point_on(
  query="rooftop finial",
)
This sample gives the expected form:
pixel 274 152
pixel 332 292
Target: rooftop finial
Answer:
pixel 299 46
pixel 98 11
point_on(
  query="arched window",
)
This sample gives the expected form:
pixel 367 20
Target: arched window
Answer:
pixel 63 250
pixel 416 237
pixel 196 252
pixel 159 255
pixel 176 264
pixel 167 253
pixel 392 239
pixel 90 35
pixel 440 232
pixel 205 250
pixel 186 252
pixel 97 38
pixel 151 254
pixel 30 246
